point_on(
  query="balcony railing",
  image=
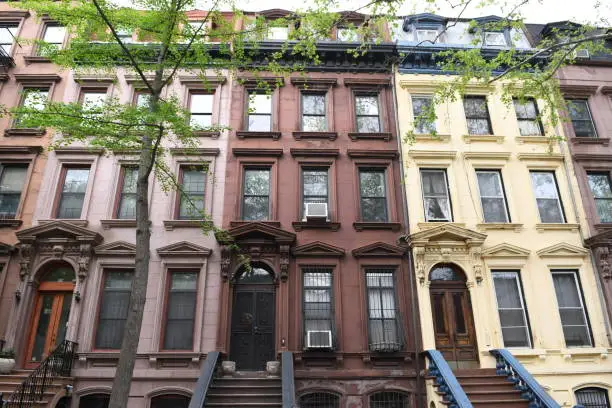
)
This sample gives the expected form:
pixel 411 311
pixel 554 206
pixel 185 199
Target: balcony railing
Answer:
pixel 386 335
pixel 6 61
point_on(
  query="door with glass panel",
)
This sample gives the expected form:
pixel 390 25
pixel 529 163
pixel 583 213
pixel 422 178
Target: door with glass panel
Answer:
pixel 50 314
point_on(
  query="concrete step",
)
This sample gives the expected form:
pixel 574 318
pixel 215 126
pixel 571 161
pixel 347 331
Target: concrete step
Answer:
pixel 507 386
pixel 512 403
pixel 487 394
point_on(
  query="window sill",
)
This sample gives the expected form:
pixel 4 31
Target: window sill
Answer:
pixel 315 135
pixel 24 132
pixel 245 134
pixel 302 225
pixel 378 358
pixel 500 226
pixel 36 59
pixel 604 141
pixel 173 355
pixel 275 224
pixel 534 139
pixel 11 223
pixel 319 358
pixel 212 135
pixel 117 223
pixel 393 226
pixel 483 138
pixel 428 137
pixel 73 221
pixel 169 225
pixel 557 227
pixel 376 136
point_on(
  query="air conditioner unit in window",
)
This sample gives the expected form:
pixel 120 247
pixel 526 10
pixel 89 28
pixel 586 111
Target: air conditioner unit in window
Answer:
pixel 316 212
pixel 581 54
pixel 321 339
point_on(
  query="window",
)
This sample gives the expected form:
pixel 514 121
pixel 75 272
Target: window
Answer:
pixel 170 401
pixel 259 112
pixel 141 98
pixel 200 108
pixel 511 309
pixel 373 195
pixel 180 311
pixel 382 310
pixel 126 205
pixel 318 308
pixel 602 193
pixel 278 33
pixel 527 116
pixel 125 35
pixel 574 319
pixel 367 113
pixel 580 115
pixel 191 198
pixel 347 34
pixel 8 32
pixel 94 401
pixel 313 113
pixel 93 98
pixel 388 399
pixel 421 107
pixel 593 397
pixel 494 39
pixel 477 115
pixel 545 189
pixel 315 186
pixel 256 194
pixel 53 37
pixel 32 98
pixel 428 36
pixel 436 198
pixel 114 305
pixel 72 194
pixel 319 400
pixel 12 182
pixel 492 196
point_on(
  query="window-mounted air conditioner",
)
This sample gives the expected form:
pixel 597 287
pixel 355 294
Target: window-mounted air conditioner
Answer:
pixel 319 339
pixel 581 54
pixel 316 212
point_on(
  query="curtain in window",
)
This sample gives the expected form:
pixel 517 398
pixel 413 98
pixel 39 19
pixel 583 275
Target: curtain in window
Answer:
pixel 113 310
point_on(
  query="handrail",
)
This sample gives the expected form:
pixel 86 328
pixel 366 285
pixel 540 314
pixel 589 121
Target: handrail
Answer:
pixel 288 379
pixel 206 376
pixel 446 380
pixel 530 389
pixel 32 389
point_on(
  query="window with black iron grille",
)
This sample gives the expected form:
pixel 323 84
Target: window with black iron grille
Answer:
pixel 580 115
pixel 12 180
pixel 389 399
pixel 477 115
pixel 372 188
pixel 320 400
pixel 383 316
pixel 318 308
pixel 593 397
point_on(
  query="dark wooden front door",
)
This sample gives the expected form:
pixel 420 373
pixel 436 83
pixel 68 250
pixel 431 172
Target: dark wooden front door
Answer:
pixel 453 321
pixel 252 335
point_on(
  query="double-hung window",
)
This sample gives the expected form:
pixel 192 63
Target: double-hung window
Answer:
pixel 421 109
pixel 574 319
pixel 12 181
pixel 436 199
pixel 383 316
pixel 511 309
pixel 347 34
pixel 53 37
pixel 581 118
pixel 8 32
pixel 494 39
pixel 492 196
pixel 599 184
pixel 114 306
pixel 427 36
pixel 315 186
pixel 367 113
pixel 477 115
pixel 193 188
pixel 93 98
pixel 142 98
pixel 34 99
pixel 73 186
pixel 318 307
pixel 256 194
pixel 314 117
pixel 373 194
pixel 180 310
pixel 546 192
pixel 259 112
pixel 527 117
pixel 200 108
pixel 126 201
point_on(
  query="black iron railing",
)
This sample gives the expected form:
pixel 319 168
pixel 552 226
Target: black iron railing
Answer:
pixel 386 334
pixel 198 399
pixel 32 389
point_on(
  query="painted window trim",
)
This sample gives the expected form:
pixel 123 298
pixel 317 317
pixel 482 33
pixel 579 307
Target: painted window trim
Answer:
pixel 519 283
pixel 504 196
pixel 448 193
pixel 576 274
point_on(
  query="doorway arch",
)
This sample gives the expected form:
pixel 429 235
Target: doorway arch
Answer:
pixel 452 315
pixel 253 317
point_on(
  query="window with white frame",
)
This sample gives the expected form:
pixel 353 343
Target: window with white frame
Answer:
pixel 492 196
pixel 436 198
pixel 73 186
pixel 200 109
pixel 256 194
pixel 421 109
pixel 192 180
pixel 427 36
pixel 347 34
pixel 126 197
pixel 8 32
pixel 318 307
pixel 12 182
pixel 599 183
pixel 314 112
pixel 278 33
pixel 259 112
pixel 93 99
pixel 315 186
pixel 32 98
pixel 574 318
pixel 477 115
pixel 546 192
pixel 528 117
pixel 53 37
pixel 511 309
pixel 494 39
pixel 367 113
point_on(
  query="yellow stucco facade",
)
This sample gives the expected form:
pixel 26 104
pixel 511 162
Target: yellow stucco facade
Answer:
pixel 525 245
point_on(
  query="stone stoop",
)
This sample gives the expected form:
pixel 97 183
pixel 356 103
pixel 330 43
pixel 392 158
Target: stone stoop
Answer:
pixel 254 389
pixel 10 382
pixel 486 389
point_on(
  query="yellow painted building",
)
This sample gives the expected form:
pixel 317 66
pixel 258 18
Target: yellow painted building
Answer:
pixel 495 231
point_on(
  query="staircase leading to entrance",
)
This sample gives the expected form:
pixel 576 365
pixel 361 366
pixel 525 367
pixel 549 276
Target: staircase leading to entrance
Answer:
pixel 245 390
pixel 485 389
pixel 10 382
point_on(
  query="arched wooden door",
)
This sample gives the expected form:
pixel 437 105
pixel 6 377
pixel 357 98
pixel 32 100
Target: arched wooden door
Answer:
pixel 452 314
pixel 50 314
pixel 253 319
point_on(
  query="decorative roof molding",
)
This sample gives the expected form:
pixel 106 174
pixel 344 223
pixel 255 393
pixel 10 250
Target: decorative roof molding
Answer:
pixel 117 248
pixel 372 154
pixel 275 13
pixel 432 154
pixel 562 249
pixel 378 250
pixel 37 78
pixel 243 151
pixel 481 21
pixel 487 155
pixel 540 156
pixel 447 233
pixel 505 250
pixel 314 152
pixel 318 249
pixel 183 249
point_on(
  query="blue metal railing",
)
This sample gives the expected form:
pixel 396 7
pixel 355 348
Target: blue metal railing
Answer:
pixel 446 381
pixel 288 379
pixel 523 381
pixel 206 376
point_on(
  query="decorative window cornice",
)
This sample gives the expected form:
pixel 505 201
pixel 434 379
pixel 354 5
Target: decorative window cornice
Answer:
pixel 241 151
pixel 372 154
pixel 592 157
pixel 540 156
pixel 314 152
pixel 486 156
pixel 78 150
pixel 20 150
pixel 180 151
pixel 314 83
pixel 505 250
pixel 367 82
pixel 37 78
pixel 183 249
pixel 562 250
pixel 201 82
pixel 578 90
pixel 251 82
pixel 432 154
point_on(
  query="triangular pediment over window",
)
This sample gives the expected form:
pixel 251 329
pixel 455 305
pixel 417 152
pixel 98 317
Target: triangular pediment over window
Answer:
pixel 117 248
pixel 58 229
pixel 562 249
pixel 319 249
pixel 505 251
pixel 182 249
pixel 379 249
pixel 447 233
pixel 259 231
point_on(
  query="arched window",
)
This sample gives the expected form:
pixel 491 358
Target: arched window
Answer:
pixel 593 397
pixel 170 401
pixel 94 401
pixel 59 273
pixel 320 400
pixel 446 272
pixel 389 399
pixel 256 274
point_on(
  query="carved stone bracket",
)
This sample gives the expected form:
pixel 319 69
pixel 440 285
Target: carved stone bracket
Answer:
pixel 226 260
pixel 25 253
pixel 603 253
pixel 284 262
pixel 476 253
pixel 85 251
pixel 419 260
